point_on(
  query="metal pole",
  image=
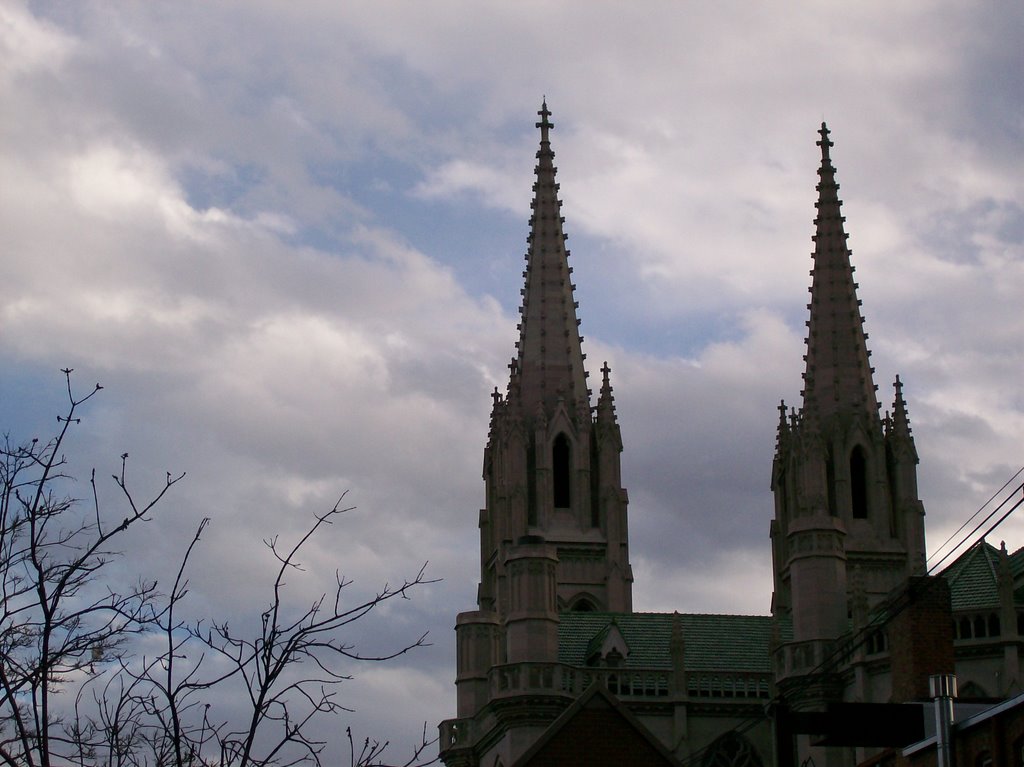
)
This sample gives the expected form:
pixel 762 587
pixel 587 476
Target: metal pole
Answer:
pixel 943 690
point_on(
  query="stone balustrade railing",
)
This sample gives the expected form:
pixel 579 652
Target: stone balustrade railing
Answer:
pixel 516 679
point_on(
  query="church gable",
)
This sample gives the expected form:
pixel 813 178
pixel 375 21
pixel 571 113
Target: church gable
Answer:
pixel 608 647
pixel 596 729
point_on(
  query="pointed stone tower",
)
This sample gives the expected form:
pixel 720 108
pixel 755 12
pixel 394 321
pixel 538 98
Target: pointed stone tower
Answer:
pixel 847 510
pixel 553 533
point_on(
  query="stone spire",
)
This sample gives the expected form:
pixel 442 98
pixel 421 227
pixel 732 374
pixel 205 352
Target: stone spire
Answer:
pixel 550 357
pixel 606 400
pixel 899 424
pixel 782 432
pixel 554 531
pixel 846 499
pixel 838 378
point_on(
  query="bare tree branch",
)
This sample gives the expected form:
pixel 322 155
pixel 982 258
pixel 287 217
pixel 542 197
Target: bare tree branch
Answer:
pixel 74 690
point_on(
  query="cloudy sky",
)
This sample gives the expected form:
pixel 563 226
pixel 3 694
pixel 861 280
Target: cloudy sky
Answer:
pixel 287 238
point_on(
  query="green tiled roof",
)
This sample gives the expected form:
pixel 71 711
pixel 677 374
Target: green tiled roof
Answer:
pixel 973 583
pixel 1017 569
pixel 712 642
pixel 974 580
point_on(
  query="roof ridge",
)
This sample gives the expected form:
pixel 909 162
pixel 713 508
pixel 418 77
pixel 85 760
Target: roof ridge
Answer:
pixel 596 614
pixel 955 568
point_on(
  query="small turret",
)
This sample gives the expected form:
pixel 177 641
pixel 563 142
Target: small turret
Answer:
pixel 901 461
pixel 607 421
pixel 782 432
pixel 899 425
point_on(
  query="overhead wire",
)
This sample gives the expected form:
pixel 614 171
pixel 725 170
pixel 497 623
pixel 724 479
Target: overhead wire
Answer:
pixel 888 612
pixel 975 514
pixel 977 527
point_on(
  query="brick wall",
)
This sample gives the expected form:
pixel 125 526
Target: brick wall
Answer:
pixel 920 637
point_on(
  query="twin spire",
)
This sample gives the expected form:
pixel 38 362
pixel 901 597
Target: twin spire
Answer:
pixel 838 380
pixel 838 377
pixel 549 364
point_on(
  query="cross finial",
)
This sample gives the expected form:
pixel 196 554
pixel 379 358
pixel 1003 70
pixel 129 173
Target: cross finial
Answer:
pixel 824 143
pixel 545 125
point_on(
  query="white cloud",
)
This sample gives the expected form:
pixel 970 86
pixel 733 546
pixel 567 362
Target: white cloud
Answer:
pixel 256 225
pixel 29 45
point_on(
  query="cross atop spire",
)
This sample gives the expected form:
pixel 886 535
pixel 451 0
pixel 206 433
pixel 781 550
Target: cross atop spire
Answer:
pixel 605 400
pixel 825 144
pixel 545 125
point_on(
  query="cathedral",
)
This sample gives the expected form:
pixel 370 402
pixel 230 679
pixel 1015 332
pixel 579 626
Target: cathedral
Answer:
pixel 555 668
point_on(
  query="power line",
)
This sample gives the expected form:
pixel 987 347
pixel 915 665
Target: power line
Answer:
pixel 889 612
pixel 976 513
pixel 980 524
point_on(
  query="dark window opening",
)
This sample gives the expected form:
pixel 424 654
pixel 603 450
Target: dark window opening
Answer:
pixel 993 625
pixel 859 483
pixel 734 750
pixel 561 454
pixel 965 628
pixel 877 643
pixel 583 606
pixel 979 628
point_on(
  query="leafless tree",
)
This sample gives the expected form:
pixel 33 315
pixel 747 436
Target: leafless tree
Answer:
pixel 57 619
pixel 286 673
pixel 66 634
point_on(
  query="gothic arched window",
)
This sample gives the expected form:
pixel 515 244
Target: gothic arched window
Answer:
pixel 731 750
pixel 859 483
pixel 561 460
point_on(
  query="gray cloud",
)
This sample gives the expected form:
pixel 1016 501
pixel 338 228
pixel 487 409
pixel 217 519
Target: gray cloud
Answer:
pixel 258 227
